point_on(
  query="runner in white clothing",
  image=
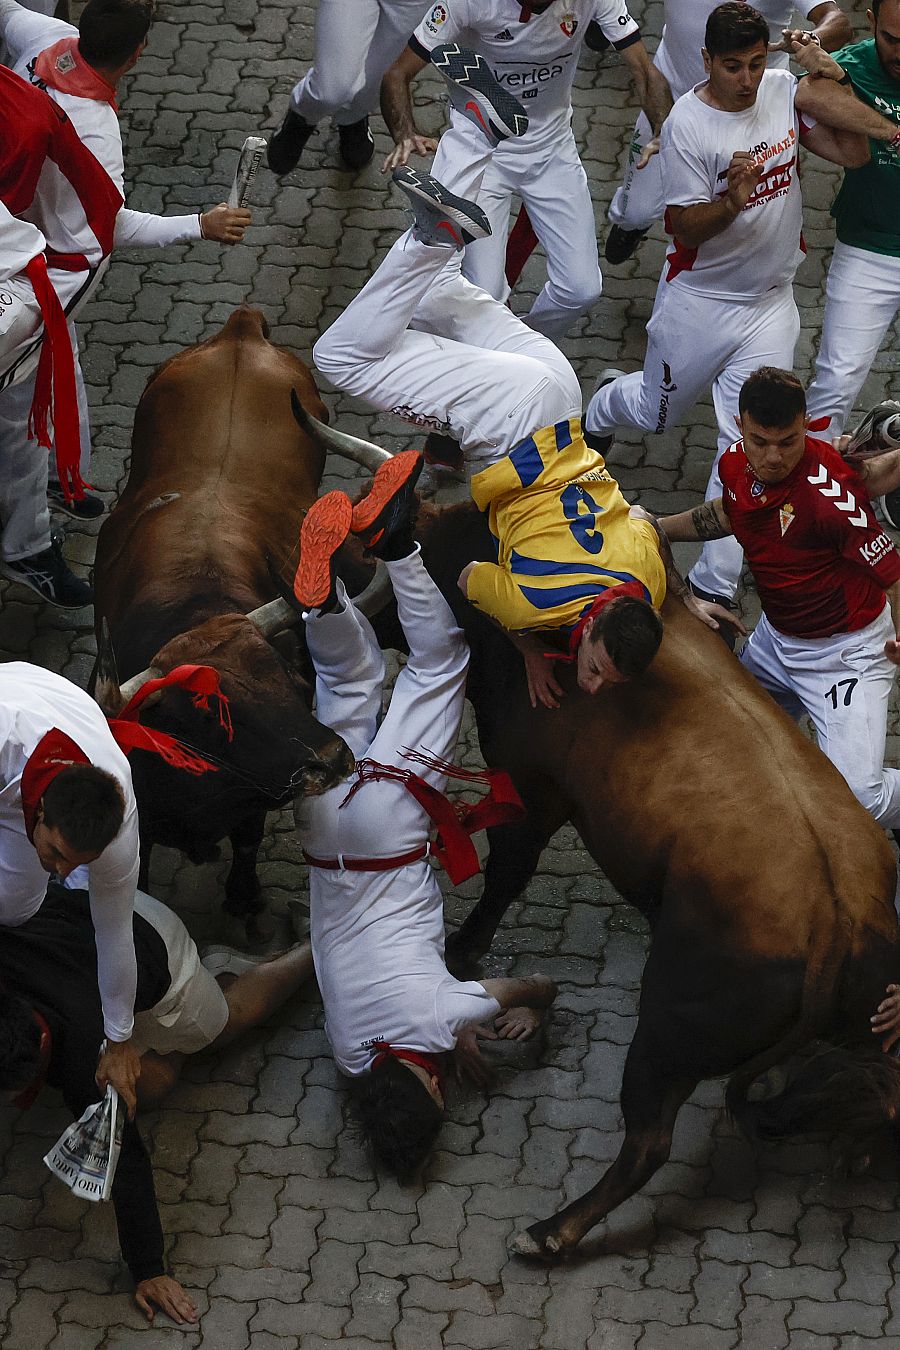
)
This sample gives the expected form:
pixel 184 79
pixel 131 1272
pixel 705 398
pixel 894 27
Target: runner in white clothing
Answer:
pixel 35 706
pixel 80 69
pixel 640 201
pixel 377 928
pixel 725 303
pixel 533 52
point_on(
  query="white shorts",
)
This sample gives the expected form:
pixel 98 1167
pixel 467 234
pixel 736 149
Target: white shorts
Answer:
pixel 194 1010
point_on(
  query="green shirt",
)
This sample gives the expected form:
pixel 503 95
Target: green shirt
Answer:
pixel 867 208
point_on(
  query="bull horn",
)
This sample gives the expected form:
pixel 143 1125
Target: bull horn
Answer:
pixel 376 595
pixel 105 677
pixel 130 687
pixel 274 617
pixel 366 454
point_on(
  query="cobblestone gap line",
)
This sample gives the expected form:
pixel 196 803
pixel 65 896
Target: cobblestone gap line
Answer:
pixel 273 1217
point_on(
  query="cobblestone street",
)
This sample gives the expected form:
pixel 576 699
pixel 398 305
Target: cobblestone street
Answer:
pixel 275 1222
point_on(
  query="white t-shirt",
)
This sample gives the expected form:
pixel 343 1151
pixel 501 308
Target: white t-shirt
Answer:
pixel 684 31
pixel 378 945
pixel 536 60
pixel 762 248
pixel 32 702
pixel 56 210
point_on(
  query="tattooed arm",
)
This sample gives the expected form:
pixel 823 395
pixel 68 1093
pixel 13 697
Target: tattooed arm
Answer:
pixel 706 611
pixel 707 521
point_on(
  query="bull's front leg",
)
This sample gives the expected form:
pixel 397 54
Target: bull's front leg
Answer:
pixel 243 896
pixel 651 1098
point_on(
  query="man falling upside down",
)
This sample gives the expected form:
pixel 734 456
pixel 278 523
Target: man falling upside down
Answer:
pixel 422 342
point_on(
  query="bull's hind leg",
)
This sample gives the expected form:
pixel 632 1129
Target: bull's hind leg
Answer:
pixel 243 897
pixel 651 1098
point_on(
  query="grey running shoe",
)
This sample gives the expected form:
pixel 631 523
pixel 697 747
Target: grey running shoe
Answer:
pixel 441 218
pixel 477 94
pixel 878 431
pixel 49 576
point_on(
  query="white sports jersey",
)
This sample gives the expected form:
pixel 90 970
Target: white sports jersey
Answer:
pixel 762 248
pixel 56 210
pixel 535 58
pixel 32 702
pixel 678 55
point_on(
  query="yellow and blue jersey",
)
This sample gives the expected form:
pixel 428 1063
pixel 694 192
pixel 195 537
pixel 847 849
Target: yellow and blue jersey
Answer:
pixel 562 532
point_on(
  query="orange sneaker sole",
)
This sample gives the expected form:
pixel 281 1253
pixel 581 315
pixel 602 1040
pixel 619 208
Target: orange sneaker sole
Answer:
pixel 325 528
pixel 393 474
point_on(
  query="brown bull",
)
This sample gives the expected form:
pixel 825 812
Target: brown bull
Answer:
pixel 220 477
pixel 769 888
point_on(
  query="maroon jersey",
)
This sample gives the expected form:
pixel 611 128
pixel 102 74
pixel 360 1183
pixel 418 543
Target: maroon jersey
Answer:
pixel 820 560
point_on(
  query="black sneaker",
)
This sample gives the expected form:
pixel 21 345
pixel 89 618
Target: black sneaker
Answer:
pixel 890 508
pixel 384 517
pixel 602 444
pixel 622 244
pixel 89 508
pixel 286 146
pixel 477 94
pixel 595 38
pixel 49 576
pixel 440 218
pixel 357 144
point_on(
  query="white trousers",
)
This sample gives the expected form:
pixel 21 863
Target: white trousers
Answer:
pixel 424 713
pixel 843 683
pixel 641 199
pixel 862 299
pixel 423 343
pixel 695 342
pixel 356 41
pixel 554 188
pixel 25 467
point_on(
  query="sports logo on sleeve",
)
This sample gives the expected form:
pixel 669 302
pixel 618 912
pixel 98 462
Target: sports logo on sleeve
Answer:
pixel 437 17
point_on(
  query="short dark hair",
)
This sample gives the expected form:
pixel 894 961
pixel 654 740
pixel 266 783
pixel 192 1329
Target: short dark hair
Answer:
pixel 772 397
pixel 631 630
pixel 733 28
pixel 110 30
pixel 397 1117
pixel 86 805
pixel 20 1043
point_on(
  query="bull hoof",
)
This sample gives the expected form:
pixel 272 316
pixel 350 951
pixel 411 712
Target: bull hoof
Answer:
pixel 530 1244
pixel 461 954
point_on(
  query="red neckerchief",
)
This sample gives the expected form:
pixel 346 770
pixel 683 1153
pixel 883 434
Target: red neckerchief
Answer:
pixel 53 753
pixel 633 588
pixel 457 822
pixel 63 67
pixel 29 1094
pixel 427 1062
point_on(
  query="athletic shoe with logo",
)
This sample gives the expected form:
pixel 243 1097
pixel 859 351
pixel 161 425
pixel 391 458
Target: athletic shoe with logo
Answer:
pixel 88 508
pixel 878 431
pixel 602 444
pixel 50 577
pixel 286 146
pixel 357 144
pixel 324 529
pixel 622 244
pixel 440 218
pixel 383 519
pixel 477 94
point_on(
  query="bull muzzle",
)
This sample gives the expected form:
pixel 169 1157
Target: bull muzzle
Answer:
pixel 331 766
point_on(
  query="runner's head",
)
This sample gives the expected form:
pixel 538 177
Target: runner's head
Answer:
pixel 773 420
pixel 399 1110
pixel 884 21
pixel 80 813
pixel 735 52
pixel 618 644
pixel 112 33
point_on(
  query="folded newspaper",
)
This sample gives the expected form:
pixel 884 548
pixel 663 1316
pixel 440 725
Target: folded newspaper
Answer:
pixel 85 1156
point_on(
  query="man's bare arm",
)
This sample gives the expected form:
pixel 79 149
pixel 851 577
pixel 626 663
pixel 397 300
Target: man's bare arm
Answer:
pixel 830 25
pixel 693 225
pixel 529 991
pixel 706 521
pixel 397 110
pixel 651 86
pixel 709 612
pixel 880 474
pixel 832 103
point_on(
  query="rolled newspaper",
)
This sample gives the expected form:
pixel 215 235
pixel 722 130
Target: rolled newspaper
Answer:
pixel 878 432
pixel 249 160
pixel 85 1155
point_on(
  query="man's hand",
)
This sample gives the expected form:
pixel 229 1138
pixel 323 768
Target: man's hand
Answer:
pixel 120 1064
pixel 543 686
pixel 468 1061
pixel 518 1024
pixel 886 1021
pixel 226 224
pixel 649 150
pixel 167 1295
pixel 708 612
pixel 806 50
pixel 410 145
pixel 743 179
pixel 892 650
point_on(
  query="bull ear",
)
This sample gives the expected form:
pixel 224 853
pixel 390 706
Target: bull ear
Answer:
pixel 364 453
pixel 105 677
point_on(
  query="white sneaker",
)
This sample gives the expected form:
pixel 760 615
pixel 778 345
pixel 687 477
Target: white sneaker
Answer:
pixel 221 960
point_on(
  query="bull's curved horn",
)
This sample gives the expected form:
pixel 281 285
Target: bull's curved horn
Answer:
pixel 105 677
pixel 370 456
pixel 274 617
pixel 376 595
pixel 130 687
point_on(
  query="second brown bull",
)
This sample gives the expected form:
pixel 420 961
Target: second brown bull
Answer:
pixel 220 477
